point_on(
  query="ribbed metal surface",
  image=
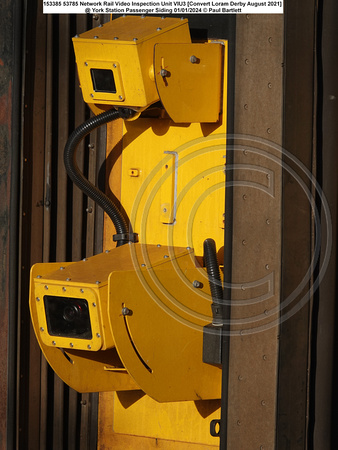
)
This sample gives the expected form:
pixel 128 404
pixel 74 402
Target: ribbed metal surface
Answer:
pixel 57 223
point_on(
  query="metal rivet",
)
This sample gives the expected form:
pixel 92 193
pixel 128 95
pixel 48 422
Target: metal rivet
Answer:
pixel 246 106
pixel 92 95
pixel 270 39
pixel 97 18
pixel 240 378
pixel 246 61
pixel 96 37
pixel 98 335
pixel 114 65
pixel 163 73
pixel 241 332
pixel 126 311
pixel 62 268
pixel 269 85
pixel 158 29
pixel 267 221
pixel 89 210
pixel 193 59
pixel 42 329
pixel 94 304
pixel 243 287
pixel 71 344
pixel 165 256
pixel 244 197
pixel 89 346
pixel 267 266
pixel 64 289
pixel 143 265
pixel 263 403
pixel 238 422
pixel 120 97
pixel 38 276
pixel 265 357
pixel 37 299
pixel 244 242
pixel 46 287
pixel 82 291
pixel 135 39
pixel 245 152
pixel 86 64
pixel 158 245
pixel 266 312
pixel 84 259
pixel 97 282
pixel 197 284
pixel 76 36
pixel 67 279
pixel 115 38
pixel 188 248
pixel 164 210
pixel 53 342
pixel 268 176
pixel 268 130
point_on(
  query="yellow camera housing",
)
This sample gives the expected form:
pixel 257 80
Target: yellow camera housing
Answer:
pixel 121 54
pixel 145 316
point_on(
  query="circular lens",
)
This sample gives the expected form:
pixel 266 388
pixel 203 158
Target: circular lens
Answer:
pixel 71 312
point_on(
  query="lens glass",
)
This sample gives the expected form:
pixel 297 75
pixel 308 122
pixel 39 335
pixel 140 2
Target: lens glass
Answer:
pixel 103 80
pixel 67 317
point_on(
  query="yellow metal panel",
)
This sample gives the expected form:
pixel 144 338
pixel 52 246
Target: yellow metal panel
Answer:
pixel 189 80
pixel 160 344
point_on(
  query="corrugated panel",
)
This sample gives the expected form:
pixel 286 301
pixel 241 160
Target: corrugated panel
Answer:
pixel 57 225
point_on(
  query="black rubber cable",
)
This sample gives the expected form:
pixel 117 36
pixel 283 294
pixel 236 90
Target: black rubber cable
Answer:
pixel 124 233
pixel 215 283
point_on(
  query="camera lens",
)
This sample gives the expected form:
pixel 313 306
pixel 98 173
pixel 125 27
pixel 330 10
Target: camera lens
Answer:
pixel 67 317
pixel 72 312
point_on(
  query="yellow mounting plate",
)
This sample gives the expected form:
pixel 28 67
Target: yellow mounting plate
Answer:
pixel 188 79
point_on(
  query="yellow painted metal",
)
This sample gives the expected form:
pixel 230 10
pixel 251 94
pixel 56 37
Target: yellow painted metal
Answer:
pixel 151 146
pixel 84 371
pixel 156 284
pixel 126 47
pixel 182 421
pixel 160 344
pixel 191 90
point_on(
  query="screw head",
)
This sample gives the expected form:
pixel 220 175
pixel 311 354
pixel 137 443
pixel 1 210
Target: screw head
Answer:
pixel 197 284
pixel 193 59
pixel 126 311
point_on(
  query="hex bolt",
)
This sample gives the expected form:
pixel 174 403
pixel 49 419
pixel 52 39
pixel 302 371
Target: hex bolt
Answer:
pixel 193 59
pixel 126 311
pixel 197 284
